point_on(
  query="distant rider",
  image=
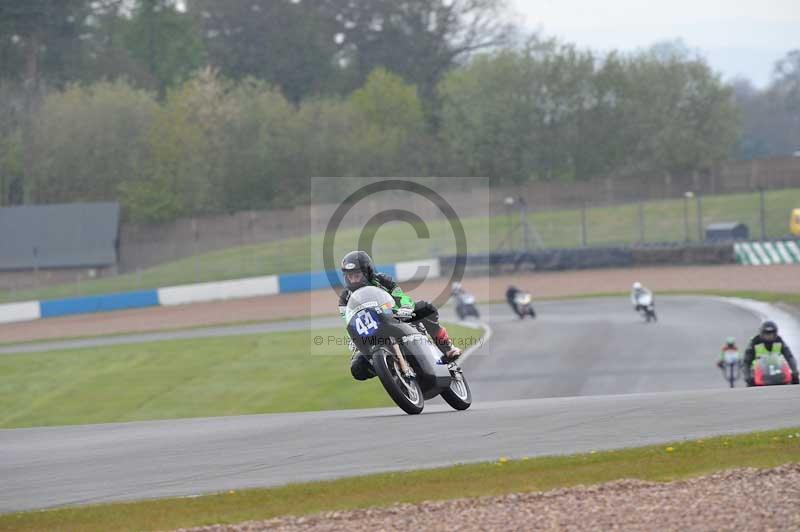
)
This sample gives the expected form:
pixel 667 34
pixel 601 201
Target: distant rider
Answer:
pixel 730 345
pixel 359 272
pixel 637 292
pixel 456 290
pixel 766 342
pixel 511 294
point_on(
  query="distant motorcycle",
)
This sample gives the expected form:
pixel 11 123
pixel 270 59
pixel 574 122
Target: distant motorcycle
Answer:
pixel 731 365
pixel 522 305
pixel 465 306
pixel 646 306
pixel 771 370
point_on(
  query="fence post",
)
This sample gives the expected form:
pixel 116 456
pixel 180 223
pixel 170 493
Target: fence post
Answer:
pixel 641 222
pixel 509 203
pixel 700 235
pixel 583 224
pixel 523 219
pixel 686 216
pixel 763 213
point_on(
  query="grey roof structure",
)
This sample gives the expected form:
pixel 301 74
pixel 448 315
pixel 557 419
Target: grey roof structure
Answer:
pixel 59 236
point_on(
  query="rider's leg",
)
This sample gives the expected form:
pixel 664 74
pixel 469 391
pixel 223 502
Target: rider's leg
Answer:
pixel 429 315
pixel 360 367
pixel 747 373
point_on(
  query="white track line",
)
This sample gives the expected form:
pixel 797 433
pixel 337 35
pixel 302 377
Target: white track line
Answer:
pixel 487 333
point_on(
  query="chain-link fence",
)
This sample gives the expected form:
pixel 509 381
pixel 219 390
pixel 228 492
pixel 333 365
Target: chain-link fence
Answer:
pixel 765 213
pixel 255 244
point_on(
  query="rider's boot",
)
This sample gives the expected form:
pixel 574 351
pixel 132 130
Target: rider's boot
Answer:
pixel 445 345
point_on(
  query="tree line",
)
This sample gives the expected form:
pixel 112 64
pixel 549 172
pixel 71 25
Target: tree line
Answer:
pixel 201 106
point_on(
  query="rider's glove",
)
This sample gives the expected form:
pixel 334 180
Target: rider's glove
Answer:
pixel 404 313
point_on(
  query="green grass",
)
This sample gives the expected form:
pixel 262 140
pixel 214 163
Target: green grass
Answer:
pixel 687 459
pixel 664 222
pixel 273 372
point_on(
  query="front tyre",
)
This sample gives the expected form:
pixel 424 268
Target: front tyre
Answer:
pixel 458 395
pixel 404 391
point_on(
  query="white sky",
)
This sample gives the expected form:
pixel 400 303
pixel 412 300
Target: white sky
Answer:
pixel 737 37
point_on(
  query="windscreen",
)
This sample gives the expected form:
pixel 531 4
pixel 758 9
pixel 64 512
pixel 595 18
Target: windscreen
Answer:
pixel 367 297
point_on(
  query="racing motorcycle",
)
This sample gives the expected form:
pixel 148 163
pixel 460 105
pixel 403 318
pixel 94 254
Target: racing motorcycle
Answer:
pixel 771 369
pixel 731 365
pixel 646 306
pixel 404 358
pixel 465 306
pixel 522 305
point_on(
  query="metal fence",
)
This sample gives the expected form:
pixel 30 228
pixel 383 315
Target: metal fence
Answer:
pixel 765 213
pixel 254 244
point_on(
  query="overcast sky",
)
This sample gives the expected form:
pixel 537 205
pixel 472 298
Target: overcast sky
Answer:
pixel 737 37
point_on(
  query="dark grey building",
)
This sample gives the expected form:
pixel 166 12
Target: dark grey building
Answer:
pixel 73 235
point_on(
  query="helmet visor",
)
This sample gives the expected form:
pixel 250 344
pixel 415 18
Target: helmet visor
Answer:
pixel 354 279
pixel 769 335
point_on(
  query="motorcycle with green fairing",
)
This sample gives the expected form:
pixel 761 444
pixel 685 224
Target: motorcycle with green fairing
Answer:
pixel 407 363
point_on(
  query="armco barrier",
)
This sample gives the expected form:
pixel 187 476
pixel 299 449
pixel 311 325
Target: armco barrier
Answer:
pixel 766 253
pixel 13 312
pixel 240 288
pixel 195 293
pixel 593 257
pixel 415 269
pixel 104 303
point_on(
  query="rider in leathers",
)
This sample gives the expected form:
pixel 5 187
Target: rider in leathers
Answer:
pixel 358 272
pixel 765 342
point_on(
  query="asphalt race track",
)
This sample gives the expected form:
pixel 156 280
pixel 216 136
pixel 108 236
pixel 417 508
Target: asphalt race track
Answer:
pixel 600 347
pixel 576 353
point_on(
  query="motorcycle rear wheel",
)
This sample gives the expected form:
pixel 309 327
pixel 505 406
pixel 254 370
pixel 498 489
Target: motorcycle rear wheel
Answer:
pixel 404 391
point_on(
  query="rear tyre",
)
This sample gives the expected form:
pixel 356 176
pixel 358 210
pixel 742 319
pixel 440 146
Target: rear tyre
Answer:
pixel 404 391
pixel 458 395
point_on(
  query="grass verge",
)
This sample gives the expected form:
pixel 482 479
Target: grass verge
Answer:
pixel 251 374
pixel 654 463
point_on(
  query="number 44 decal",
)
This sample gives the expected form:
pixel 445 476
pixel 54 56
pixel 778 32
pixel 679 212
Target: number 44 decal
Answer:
pixel 365 323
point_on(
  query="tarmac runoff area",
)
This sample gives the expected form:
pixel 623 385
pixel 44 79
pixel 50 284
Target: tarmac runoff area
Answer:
pixel 580 377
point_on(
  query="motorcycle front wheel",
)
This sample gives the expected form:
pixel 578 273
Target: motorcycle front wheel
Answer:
pixel 404 391
pixel 458 395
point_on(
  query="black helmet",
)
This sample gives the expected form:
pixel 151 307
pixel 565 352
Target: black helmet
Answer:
pixel 357 261
pixel 769 327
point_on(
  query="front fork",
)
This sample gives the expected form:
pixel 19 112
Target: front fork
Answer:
pixel 401 360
